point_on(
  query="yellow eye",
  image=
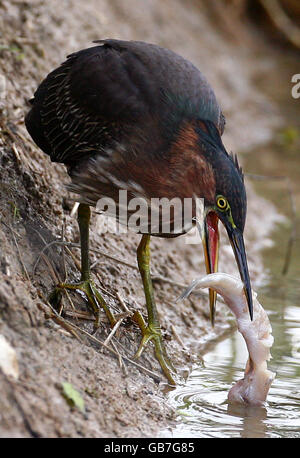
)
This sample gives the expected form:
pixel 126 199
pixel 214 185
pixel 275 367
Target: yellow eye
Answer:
pixel 222 203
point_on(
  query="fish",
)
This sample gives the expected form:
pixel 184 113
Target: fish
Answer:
pixel 253 389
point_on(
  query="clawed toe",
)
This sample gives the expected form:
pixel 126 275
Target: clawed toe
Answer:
pixel 154 334
pixel 94 298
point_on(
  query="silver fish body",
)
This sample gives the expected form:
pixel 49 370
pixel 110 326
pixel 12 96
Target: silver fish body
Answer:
pixel 254 387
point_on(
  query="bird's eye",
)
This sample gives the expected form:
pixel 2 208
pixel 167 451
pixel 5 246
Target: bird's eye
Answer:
pixel 222 203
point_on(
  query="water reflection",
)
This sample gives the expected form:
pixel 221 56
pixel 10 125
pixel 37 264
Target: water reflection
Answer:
pixel 252 420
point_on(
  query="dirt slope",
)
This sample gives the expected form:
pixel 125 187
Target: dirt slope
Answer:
pixel 35 36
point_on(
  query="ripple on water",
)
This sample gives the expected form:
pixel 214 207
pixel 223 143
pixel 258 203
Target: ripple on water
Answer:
pixel 202 407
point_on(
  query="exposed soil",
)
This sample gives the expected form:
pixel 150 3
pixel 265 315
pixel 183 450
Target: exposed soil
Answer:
pixel 121 399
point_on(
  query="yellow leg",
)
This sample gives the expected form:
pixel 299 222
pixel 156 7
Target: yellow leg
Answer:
pixel 151 331
pixel 86 284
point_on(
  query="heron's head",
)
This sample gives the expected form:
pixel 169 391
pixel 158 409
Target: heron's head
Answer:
pixel 227 203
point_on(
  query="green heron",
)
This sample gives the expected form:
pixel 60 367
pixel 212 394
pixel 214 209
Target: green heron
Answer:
pixel 135 116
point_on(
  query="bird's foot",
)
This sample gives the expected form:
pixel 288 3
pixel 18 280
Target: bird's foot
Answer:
pixel 153 333
pixel 95 300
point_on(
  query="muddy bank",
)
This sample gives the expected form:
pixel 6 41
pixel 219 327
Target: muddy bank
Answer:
pixel 120 398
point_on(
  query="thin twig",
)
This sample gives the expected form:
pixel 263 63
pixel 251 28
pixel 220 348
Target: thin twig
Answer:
pixel 81 314
pixel 123 305
pixel 53 273
pixel 16 153
pixel 94 339
pixel 67 325
pixel 113 331
pixel 20 256
pixel 177 337
pixel 47 261
pixel 58 319
pixel 108 293
pixel 282 21
pixel 70 300
pixel 10 228
pixel 121 363
pixel 77 245
pixel 40 236
pixel 74 209
pixel 293 232
pixel 63 253
pixel 25 40
pixel 75 260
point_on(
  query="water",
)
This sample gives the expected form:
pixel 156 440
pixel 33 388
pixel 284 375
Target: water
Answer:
pixel 201 403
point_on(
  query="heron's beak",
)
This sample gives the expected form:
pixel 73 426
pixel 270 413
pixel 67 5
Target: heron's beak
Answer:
pixel 211 252
pixel 210 242
pixel 237 242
